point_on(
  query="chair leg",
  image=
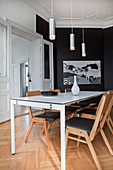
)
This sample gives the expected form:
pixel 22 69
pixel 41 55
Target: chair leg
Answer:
pixel 106 141
pixel 91 148
pixel 78 142
pixel 57 122
pixel 73 115
pixel 47 137
pixel 111 121
pixel 66 138
pixel 49 126
pixel 28 132
pixel 109 125
pixel 43 130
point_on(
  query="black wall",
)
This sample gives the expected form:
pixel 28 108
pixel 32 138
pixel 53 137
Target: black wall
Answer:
pixel 42 27
pixel 108 58
pixel 99 44
pixel 93 39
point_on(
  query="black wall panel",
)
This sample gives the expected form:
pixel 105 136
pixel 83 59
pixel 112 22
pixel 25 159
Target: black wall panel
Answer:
pixel 42 27
pixel 93 39
pixel 108 58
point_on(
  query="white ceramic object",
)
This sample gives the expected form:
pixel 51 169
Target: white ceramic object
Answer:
pixel 75 88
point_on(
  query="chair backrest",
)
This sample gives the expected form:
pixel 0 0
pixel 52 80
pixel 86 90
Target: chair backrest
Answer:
pixel 110 92
pixel 108 110
pixel 67 90
pixel 32 93
pixel 57 90
pixel 104 107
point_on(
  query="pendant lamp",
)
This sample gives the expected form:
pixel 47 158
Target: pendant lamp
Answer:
pixel 72 41
pixel 83 44
pixel 72 36
pixel 51 24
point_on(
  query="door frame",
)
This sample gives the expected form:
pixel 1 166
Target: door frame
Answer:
pixel 23 62
pixel 51 63
pixel 5 88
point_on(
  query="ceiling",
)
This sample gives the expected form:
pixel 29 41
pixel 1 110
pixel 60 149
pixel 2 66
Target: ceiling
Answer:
pixel 85 13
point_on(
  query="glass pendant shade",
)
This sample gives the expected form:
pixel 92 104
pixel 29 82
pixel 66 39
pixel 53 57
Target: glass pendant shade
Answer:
pixel 72 41
pixel 83 50
pixel 51 29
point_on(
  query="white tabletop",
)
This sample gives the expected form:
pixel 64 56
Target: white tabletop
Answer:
pixel 62 98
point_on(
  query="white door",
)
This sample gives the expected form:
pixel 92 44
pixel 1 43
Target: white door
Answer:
pixel 48 75
pixel 5 35
pixel 35 66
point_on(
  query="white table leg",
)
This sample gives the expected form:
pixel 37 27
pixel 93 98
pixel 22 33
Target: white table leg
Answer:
pixel 62 122
pixel 12 129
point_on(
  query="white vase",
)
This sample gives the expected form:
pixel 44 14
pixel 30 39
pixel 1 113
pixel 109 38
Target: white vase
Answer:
pixel 75 88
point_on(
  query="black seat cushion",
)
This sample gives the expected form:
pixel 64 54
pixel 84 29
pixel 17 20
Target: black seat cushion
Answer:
pixel 49 116
pixel 81 104
pixel 71 109
pixel 80 123
pixel 87 111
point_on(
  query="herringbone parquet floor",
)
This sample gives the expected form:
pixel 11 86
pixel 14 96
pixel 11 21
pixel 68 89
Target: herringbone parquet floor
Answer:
pixel 34 155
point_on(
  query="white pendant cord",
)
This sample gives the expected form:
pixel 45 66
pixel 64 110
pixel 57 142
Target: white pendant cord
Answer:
pixel 83 35
pixel 51 8
pixel 72 36
pixel 71 17
pixel 82 22
pixel 83 43
pixel 51 24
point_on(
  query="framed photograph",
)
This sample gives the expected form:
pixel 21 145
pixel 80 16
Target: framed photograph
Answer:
pixel 87 72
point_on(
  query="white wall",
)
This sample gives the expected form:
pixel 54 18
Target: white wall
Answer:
pixel 18 11
pixel 21 49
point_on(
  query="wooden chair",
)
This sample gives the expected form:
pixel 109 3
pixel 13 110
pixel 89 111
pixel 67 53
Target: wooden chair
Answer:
pixel 67 90
pixel 69 110
pixel 88 128
pixel 70 107
pixel 90 113
pixel 57 90
pixel 43 120
pixel 81 104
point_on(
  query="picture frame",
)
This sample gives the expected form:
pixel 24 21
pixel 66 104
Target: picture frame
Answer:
pixel 87 72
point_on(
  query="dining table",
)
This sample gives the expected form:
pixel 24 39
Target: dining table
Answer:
pixel 58 102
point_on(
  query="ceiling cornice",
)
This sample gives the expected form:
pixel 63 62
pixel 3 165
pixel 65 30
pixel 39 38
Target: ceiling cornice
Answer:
pixel 91 20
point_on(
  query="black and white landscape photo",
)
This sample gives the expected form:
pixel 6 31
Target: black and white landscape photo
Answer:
pixel 87 72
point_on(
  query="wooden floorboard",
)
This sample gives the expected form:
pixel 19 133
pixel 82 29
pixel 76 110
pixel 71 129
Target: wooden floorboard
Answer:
pixel 35 155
